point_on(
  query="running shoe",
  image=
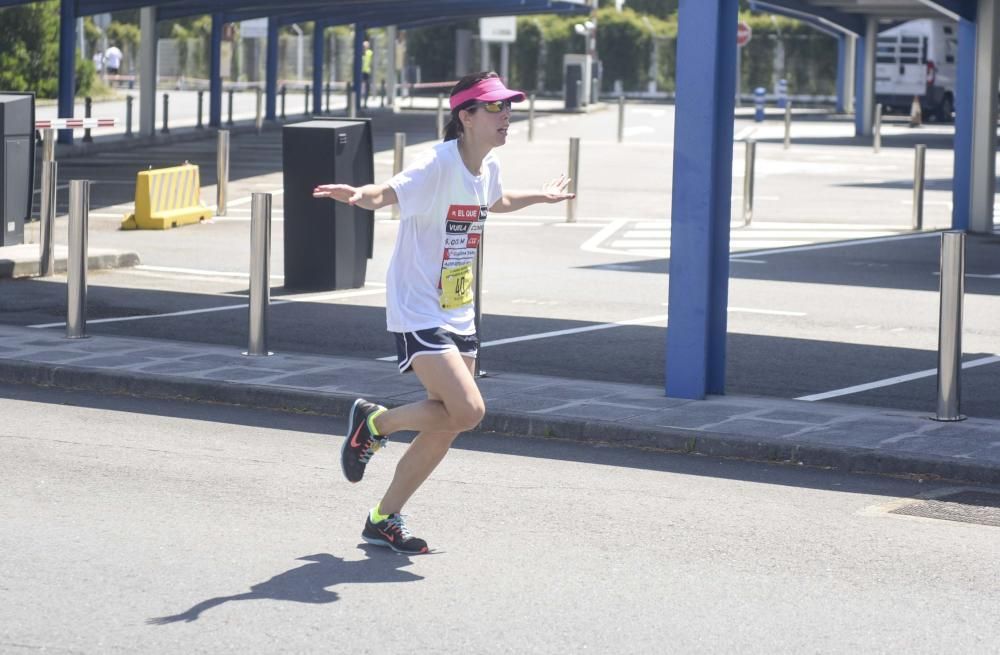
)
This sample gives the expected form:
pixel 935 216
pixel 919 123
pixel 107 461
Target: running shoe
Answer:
pixel 393 533
pixel 360 444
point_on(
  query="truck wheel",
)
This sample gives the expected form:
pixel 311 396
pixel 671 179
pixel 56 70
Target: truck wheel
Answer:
pixel 945 110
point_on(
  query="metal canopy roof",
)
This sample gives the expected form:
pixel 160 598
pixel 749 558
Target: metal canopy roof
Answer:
pixel 369 12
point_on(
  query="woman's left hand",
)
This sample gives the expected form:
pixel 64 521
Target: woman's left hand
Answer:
pixel 555 191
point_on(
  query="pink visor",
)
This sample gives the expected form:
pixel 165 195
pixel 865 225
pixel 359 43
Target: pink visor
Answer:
pixel 489 90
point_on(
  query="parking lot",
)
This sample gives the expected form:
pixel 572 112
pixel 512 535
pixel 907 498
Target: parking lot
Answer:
pixel 833 298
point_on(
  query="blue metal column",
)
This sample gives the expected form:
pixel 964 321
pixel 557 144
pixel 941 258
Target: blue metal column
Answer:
pixel 359 52
pixel 271 74
pixel 319 56
pixel 864 79
pixel 842 46
pixel 215 72
pixel 702 186
pixel 67 64
pixel 965 95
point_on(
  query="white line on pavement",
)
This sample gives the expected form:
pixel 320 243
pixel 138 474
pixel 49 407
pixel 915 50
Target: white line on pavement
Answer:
pixel 888 382
pixel 835 244
pixel 306 297
pixel 560 333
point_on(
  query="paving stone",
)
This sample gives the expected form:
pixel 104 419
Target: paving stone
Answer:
pixel 597 411
pixel 166 353
pixel 694 415
pixel 756 428
pixel 115 361
pixel 315 380
pixel 814 418
pixel 53 355
pixel 524 403
pixel 240 374
pixel 174 368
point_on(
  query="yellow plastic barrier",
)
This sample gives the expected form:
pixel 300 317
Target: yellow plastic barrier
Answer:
pixel 166 198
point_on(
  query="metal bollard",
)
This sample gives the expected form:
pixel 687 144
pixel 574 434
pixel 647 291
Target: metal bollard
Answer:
pixel 950 327
pixel 531 117
pixel 259 120
pixel 76 270
pixel 48 144
pixel 878 128
pixel 621 118
pixel 260 282
pixel 478 316
pixel 788 124
pixel 749 161
pixel 382 93
pixel 306 109
pixel 201 106
pixel 579 94
pixel 87 106
pixel 230 120
pixel 919 160
pixel 326 92
pixel 128 115
pixel 440 116
pixel 284 91
pixel 222 172
pixel 574 172
pixel 347 97
pixel 352 105
pixel 166 113
pixel 47 217
pixel 397 163
pixel 595 90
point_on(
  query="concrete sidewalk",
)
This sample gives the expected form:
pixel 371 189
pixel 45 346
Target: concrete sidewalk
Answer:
pixel 764 429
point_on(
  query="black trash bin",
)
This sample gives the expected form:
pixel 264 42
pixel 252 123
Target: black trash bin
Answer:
pixel 327 243
pixel 17 164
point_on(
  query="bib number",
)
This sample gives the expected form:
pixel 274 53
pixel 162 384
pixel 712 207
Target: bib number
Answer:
pixel 456 287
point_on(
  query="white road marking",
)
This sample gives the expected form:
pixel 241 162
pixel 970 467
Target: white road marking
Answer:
pixel 198 271
pixel 560 333
pixel 899 379
pixel 837 244
pixel 306 297
pixel 767 312
pixel 638 129
pixel 745 133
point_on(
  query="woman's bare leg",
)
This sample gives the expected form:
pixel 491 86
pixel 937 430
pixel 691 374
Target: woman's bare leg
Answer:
pixel 453 405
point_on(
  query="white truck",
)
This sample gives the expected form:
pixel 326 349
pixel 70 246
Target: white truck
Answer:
pixel 918 58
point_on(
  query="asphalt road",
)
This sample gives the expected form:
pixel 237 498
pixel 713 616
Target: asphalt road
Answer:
pixel 829 288
pixel 137 526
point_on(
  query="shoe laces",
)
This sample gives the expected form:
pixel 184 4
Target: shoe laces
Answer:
pixel 397 523
pixel 372 446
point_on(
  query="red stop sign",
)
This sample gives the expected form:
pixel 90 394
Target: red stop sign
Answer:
pixel 743 34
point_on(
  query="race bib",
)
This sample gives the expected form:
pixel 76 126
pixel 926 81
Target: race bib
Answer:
pixel 456 287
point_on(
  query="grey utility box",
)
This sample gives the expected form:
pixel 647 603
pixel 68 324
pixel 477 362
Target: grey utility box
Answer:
pixel 17 169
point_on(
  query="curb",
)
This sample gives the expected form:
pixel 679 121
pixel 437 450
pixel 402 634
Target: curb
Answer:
pixel 31 268
pixel 677 440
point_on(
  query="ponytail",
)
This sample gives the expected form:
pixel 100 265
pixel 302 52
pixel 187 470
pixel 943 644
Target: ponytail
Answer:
pixel 453 128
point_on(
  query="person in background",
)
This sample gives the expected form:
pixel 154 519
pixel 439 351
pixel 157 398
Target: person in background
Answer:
pixel 366 70
pixel 113 60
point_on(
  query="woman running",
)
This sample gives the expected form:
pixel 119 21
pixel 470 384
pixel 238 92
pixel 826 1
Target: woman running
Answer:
pixel 444 199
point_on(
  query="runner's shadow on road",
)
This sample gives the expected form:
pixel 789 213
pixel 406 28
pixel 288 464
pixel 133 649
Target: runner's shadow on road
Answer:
pixel 310 583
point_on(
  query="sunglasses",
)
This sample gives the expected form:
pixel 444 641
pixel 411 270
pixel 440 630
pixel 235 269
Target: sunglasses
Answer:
pixel 494 107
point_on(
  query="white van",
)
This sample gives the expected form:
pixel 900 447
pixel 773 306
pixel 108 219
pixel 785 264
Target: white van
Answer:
pixel 918 58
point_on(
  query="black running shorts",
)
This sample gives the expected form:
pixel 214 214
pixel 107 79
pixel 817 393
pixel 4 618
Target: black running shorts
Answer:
pixel 432 341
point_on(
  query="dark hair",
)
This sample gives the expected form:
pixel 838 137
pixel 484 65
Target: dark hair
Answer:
pixel 454 127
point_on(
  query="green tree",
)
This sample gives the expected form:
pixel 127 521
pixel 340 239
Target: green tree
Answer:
pixel 29 51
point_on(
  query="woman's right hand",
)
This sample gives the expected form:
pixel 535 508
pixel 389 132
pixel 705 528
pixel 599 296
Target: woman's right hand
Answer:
pixel 341 192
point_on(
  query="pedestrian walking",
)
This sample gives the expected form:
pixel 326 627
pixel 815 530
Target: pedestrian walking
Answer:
pixel 444 199
pixel 366 70
pixel 113 60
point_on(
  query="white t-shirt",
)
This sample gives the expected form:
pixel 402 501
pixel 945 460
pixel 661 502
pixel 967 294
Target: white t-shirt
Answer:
pixel 442 209
pixel 113 57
